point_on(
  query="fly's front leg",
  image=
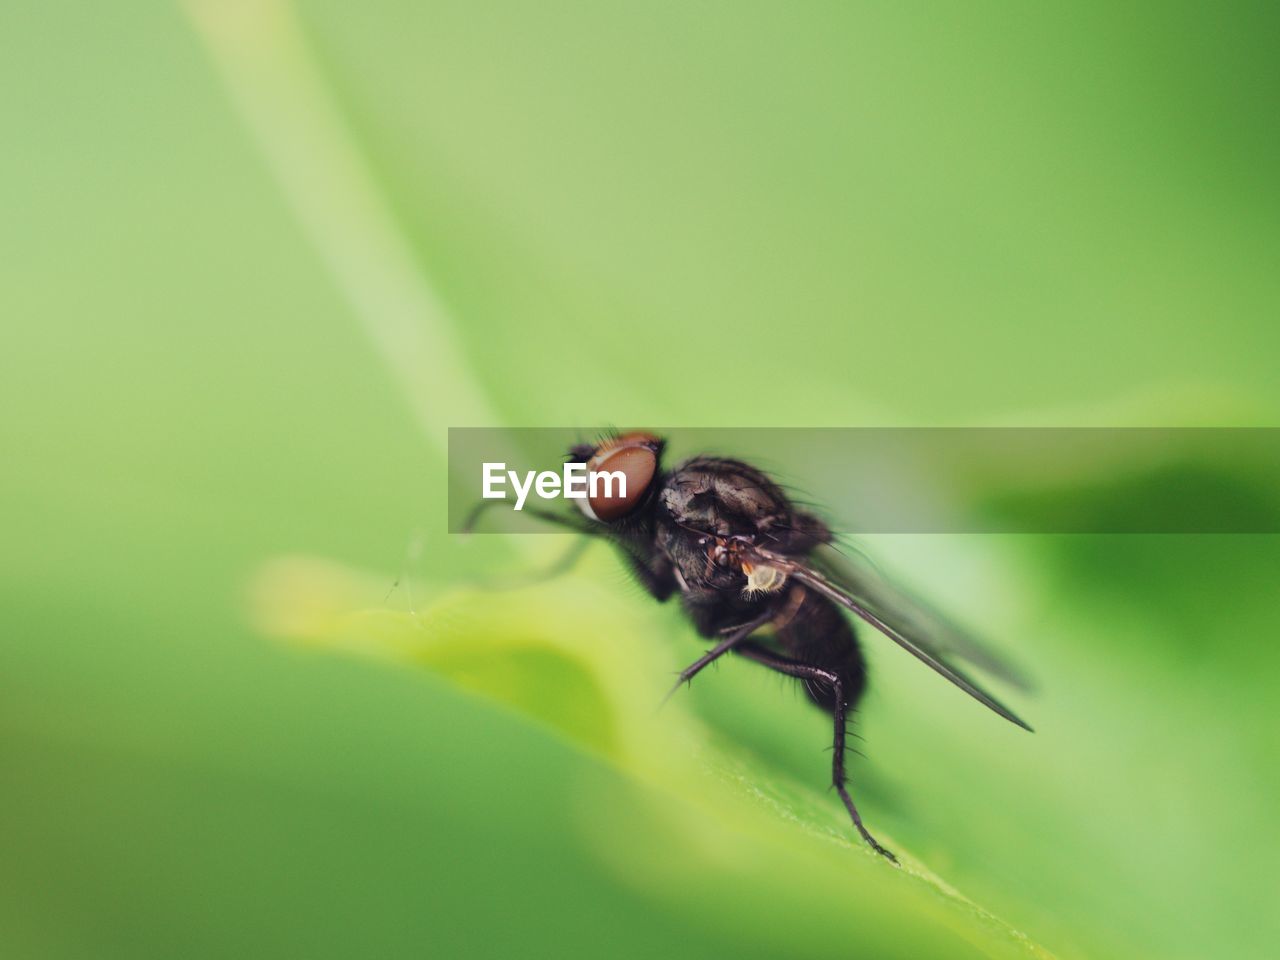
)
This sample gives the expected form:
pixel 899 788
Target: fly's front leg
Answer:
pixel 654 572
pixel 811 674
pixel 576 524
pixel 563 564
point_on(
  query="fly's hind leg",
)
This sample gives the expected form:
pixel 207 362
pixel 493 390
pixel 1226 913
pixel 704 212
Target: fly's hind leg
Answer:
pixel 816 675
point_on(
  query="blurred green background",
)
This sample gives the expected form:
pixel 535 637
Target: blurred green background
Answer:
pixel 254 258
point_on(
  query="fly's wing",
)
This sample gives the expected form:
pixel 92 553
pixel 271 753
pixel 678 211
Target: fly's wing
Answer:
pixel 914 616
pixel 899 626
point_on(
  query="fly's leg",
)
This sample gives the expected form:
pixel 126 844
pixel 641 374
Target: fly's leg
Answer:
pixel 576 524
pixel 557 568
pixel 653 573
pixel 811 674
pixel 719 650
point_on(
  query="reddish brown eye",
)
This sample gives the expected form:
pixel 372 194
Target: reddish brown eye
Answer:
pixel 628 464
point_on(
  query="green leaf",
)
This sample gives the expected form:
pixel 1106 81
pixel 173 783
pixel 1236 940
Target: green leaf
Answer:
pixel 753 844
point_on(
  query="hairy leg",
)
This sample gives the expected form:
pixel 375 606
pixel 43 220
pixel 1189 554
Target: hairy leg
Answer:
pixel 811 674
pixel 735 637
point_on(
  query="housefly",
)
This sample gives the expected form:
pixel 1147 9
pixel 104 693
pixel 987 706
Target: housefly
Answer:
pixel 761 578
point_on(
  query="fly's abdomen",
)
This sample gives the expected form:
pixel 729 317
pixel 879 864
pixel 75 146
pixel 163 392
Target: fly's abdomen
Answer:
pixel 813 630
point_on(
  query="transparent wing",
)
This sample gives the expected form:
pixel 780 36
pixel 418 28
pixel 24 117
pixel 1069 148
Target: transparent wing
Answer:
pixel 878 605
pixel 914 615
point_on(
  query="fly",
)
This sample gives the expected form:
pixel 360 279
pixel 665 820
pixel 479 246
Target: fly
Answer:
pixel 743 559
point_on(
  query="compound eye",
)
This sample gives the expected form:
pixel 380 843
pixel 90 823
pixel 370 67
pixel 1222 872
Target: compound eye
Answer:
pixel 628 464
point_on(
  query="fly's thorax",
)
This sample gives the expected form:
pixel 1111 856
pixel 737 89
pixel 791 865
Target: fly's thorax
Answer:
pixel 709 509
pixel 724 565
pixel 725 498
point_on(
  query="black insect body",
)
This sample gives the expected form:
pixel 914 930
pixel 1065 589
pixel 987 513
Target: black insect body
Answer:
pixel 744 560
